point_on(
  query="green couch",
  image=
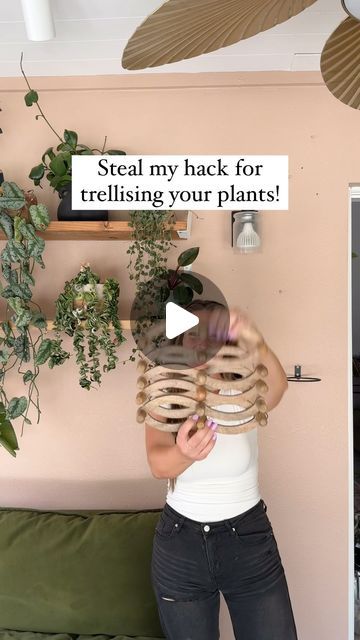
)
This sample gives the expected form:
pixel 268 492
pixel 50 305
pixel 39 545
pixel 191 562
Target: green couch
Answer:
pixel 77 575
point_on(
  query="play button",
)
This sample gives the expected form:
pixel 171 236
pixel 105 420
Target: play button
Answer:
pixel 170 321
pixel 178 320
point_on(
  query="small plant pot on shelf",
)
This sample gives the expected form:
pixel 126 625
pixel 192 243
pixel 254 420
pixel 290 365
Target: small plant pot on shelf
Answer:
pixel 65 211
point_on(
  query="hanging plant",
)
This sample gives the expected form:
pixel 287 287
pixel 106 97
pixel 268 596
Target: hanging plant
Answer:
pixel 55 163
pixel 149 246
pixel 85 311
pixel 155 283
pixel 20 220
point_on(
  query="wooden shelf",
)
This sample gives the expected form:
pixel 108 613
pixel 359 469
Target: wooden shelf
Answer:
pixel 91 230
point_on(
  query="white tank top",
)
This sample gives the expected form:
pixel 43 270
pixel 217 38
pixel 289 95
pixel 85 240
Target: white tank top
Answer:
pixel 224 484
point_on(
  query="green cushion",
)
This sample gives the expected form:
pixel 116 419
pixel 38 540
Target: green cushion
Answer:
pixel 77 572
pixel 8 634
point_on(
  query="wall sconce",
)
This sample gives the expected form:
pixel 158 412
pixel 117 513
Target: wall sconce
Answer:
pixel 38 19
pixel 297 377
pixel 244 231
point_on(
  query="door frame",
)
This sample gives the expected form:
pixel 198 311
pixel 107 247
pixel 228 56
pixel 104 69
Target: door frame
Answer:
pixel 354 196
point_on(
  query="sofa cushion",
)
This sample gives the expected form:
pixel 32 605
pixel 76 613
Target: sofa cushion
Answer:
pixel 78 572
pixel 9 634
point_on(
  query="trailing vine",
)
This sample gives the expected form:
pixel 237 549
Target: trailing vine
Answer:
pixel 20 219
pixel 150 243
pixel 155 283
pixel 87 317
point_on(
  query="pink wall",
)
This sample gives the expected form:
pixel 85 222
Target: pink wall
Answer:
pixel 88 451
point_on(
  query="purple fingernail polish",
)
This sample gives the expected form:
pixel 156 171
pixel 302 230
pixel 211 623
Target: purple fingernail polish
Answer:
pixel 195 417
pixel 213 426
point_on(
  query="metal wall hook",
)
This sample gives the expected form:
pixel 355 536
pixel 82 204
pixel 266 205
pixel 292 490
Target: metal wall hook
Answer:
pixel 297 377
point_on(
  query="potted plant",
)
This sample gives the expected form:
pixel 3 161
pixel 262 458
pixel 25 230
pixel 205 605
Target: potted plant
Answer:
pixel 20 220
pixel 85 310
pixel 55 163
pixel 155 283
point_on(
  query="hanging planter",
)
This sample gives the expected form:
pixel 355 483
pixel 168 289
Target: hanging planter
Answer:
pixel 87 310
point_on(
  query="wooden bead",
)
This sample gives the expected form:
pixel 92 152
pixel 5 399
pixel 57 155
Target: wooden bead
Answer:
pixel 201 393
pixel 141 398
pixel 201 422
pixel 201 378
pixel 141 382
pixel 261 370
pixel 140 416
pixel 261 418
pixel 141 366
pixel 261 404
pixel 261 386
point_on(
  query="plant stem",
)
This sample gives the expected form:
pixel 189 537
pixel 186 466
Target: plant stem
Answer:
pixel 37 102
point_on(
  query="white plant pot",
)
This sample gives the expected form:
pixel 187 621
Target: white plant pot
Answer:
pixel 79 302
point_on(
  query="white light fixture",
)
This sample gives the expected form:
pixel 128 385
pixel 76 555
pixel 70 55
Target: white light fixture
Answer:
pixel 39 23
pixel 352 8
pixel 245 237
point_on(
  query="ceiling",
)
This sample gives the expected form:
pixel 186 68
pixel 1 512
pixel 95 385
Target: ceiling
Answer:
pixel 91 35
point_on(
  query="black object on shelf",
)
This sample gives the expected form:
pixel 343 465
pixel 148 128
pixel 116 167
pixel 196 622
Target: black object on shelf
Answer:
pixel 66 212
pixel 297 377
pixel 2 179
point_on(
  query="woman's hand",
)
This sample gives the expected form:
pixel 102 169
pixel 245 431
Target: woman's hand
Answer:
pixel 237 327
pixel 199 445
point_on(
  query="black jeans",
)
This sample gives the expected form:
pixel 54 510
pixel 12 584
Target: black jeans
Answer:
pixel 192 562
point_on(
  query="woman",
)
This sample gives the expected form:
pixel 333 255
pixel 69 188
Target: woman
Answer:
pixel 214 534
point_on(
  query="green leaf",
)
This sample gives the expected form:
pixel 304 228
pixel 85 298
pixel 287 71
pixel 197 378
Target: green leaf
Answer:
pixel 13 197
pixel 16 407
pixel 39 216
pixel 182 295
pixel 27 277
pixel 23 318
pixel 83 150
pixel 7 434
pixel 44 351
pixel 187 257
pixel 6 327
pixel 192 282
pixel 13 276
pixel 49 153
pixel 114 152
pixel 71 137
pixel 36 247
pixel 28 375
pixel 58 166
pixel 6 224
pixel 31 97
pixel 14 252
pixel 39 320
pixel 19 223
pixel 16 304
pixel 22 347
pixel 17 291
pixel 4 356
pixel 37 172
